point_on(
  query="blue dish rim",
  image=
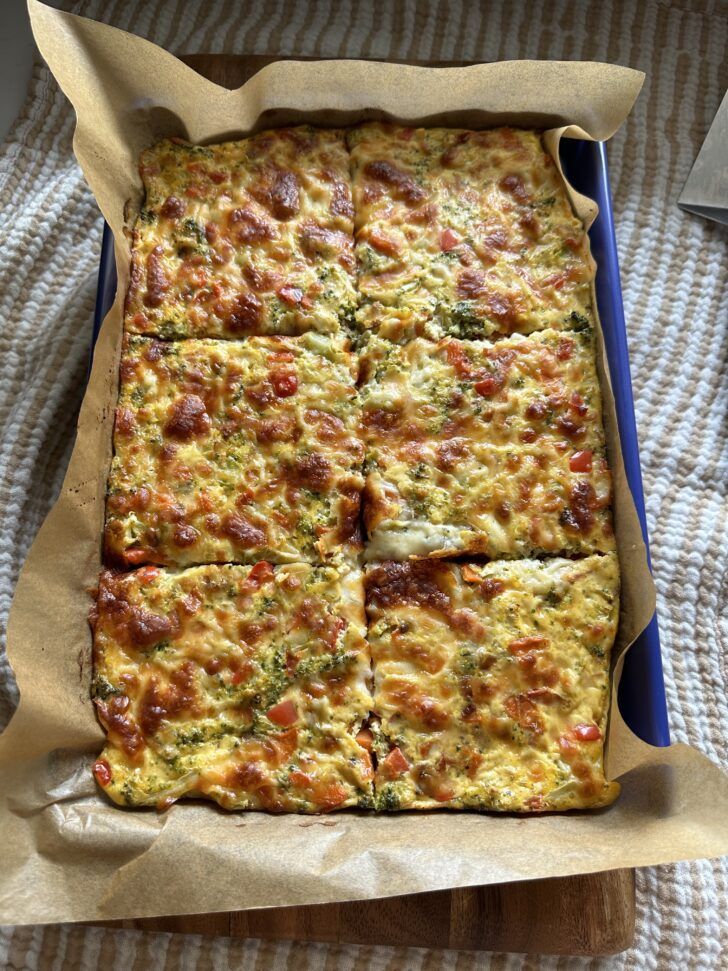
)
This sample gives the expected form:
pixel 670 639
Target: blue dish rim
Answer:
pixel 642 700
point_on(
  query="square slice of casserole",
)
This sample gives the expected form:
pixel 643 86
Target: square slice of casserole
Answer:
pixel 467 233
pixel 247 237
pixel 235 451
pixel 245 685
pixel 491 683
pixel 488 448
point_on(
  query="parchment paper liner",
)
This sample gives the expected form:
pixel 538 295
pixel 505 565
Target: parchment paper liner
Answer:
pixel 68 853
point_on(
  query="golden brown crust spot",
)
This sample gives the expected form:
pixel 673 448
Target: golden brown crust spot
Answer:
pixel 418 582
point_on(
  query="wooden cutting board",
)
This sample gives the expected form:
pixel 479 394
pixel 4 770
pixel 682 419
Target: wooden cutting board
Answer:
pixel 589 914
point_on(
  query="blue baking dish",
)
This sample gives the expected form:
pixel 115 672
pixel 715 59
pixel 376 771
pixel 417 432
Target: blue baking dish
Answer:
pixel 642 689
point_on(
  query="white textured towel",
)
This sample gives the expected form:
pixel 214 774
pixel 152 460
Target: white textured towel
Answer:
pixel 674 278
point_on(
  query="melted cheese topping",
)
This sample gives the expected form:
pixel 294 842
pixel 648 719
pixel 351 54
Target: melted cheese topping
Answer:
pixel 235 451
pixel 492 683
pixel 248 237
pixel 251 686
pixel 464 233
pixel 489 448
pixel 242 685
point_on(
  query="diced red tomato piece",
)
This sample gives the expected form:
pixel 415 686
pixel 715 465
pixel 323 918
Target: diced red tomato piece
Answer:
pixel 567 745
pixel 527 644
pixel 331 795
pixel 147 573
pixel 338 625
pixel 365 738
pixel 326 795
pixel 283 746
pixel 565 349
pixel 239 676
pixel 587 733
pixel 284 383
pixel 581 461
pixel 522 710
pixel 490 385
pixel 260 574
pixel 135 556
pixel 385 244
pixel 556 280
pixel 284 713
pixel 102 771
pixel 449 239
pixel 434 783
pixel 290 295
pixel 457 357
pixel 292 662
pixel 544 695
pixel 395 763
pixel 367 768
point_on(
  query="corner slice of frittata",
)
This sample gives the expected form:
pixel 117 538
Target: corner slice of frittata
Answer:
pixel 244 685
pixel 489 448
pixel 245 237
pixel 492 683
pixel 234 451
pixel 466 233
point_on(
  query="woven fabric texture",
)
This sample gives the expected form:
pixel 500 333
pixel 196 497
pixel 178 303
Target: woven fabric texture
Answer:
pixel 674 275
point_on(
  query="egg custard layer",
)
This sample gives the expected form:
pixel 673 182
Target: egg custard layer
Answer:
pixel 235 451
pixel 467 233
pixel 491 685
pixel 488 448
pixel 231 659
pixel 247 237
pixel 245 685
